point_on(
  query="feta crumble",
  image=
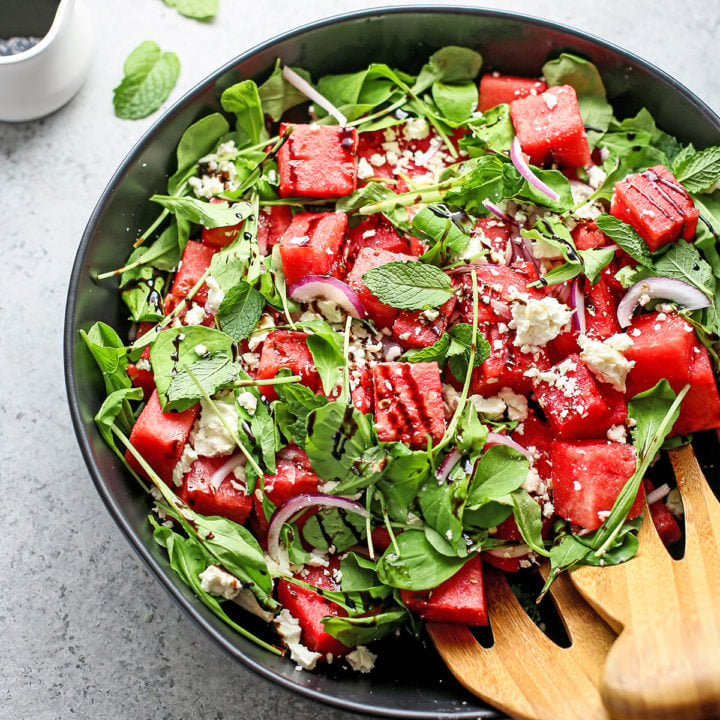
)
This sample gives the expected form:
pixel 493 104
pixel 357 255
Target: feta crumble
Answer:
pixel 361 659
pixel 538 321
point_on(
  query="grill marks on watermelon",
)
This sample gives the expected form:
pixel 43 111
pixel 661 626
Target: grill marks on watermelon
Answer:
pixel 408 403
pixel 656 205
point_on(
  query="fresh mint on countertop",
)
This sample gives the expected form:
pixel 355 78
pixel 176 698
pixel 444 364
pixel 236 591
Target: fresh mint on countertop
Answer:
pixel 150 76
pixel 196 9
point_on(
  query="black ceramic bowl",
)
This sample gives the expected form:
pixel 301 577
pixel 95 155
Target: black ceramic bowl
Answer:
pixel 407 683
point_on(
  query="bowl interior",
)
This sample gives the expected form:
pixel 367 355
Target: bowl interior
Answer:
pixel 406 683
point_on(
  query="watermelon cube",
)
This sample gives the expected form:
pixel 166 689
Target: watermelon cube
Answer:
pixel 310 608
pixel 273 221
pixel 293 477
pixel 205 495
pixel 160 437
pixel 587 236
pixel 587 477
pixel 220 236
pixel 140 376
pixel 362 390
pixel 496 89
pixel 287 349
pixel 375 231
pixel 573 403
pixel 408 403
pixel 600 311
pixel 422 328
pixel 311 244
pixel 550 128
pixel 368 258
pixel 665 523
pixel 318 161
pixel 700 409
pixel 494 234
pixel 460 599
pixel 195 261
pixel 656 205
pixel 535 435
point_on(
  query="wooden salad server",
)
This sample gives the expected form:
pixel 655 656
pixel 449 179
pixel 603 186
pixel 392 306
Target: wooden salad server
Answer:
pixel 666 660
pixel 524 673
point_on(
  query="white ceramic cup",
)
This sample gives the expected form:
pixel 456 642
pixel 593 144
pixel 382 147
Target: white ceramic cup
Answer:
pixel 43 78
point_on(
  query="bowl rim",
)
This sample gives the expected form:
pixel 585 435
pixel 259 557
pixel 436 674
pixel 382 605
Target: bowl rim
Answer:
pixel 78 272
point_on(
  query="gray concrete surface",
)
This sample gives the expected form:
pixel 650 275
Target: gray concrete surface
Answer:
pixel 85 630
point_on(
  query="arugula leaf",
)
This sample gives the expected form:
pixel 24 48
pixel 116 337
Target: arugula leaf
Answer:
pixel 457 102
pixel 277 95
pixel 437 352
pixel 240 311
pixel 326 347
pixel 243 99
pixel 361 630
pixel 403 475
pixel 207 214
pixel 116 410
pixel 626 237
pixel 595 260
pixel 110 354
pixel 408 285
pixel 150 76
pixel 460 346
pixel 484 178
pixel 450 64
pixel 196 9
pixel 198 140
pixel 292 410
pixel 214 371
pixel 493 131
pixel 443 229
pixel 699 171
pixel 499 472
pixel 418 566
pixel 333 527
pixel 373 193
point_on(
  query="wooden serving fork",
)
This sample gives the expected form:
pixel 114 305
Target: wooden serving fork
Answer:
pixel 524 673
pixel 666 660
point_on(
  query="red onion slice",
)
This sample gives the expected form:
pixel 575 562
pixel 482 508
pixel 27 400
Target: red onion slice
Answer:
pixel 660 287
pixel 324 287
pixel 309 91
pixel 495 210
pixel 577 302
pixel 297 504
pixel 225 469
pixel 448 463
pixel 518 160
pixel 498 439
pixel 658 493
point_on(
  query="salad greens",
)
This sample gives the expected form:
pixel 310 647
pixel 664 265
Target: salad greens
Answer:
pixel 438 505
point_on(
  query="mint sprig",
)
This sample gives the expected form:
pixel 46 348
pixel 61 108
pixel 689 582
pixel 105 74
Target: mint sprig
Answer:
pixel 408 285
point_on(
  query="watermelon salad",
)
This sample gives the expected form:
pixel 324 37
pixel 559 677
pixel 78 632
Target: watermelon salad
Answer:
pixel 389 329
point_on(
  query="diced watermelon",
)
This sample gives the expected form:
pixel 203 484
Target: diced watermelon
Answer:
pixel 195 261
pixel 587 477
pixel 573 402
pixel 142 377
pixel 495 234
pixel 656 205
pixel 588 236
pixel 224 499
pixel 461 599
pixel 665 523
pixel 294 477
pixel 381 314
pixel 318 161
pixel 408 402
pixel 287 349
pixel 160 437
pixel 310 608
pixel 700 409
pixel 311 244
pixel 506 365
pixel 550 128
pixel 496 89
pixel 362 391
pixel 273 221
pixel 220 236
pixel 535 435
pixel 600 311
pixel 422 328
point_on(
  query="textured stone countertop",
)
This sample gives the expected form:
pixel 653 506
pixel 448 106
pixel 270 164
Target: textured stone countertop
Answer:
pixel 85 630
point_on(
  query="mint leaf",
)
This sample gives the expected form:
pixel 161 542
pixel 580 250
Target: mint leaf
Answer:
pixel 150 76
pixel 213 372
pixel 683 262
pixel 408 285
pixel 240 311
pixel 700 171
pixel 626 237
pixel 196 9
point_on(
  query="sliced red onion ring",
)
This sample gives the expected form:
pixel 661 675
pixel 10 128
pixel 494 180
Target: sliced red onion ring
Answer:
pixel 660 287
pixel 658 493
pixel 577 302
pixel 448 463
pixel 498 439
pixel 324 287
pixel 299 503
pixel 495 210
pixel 518 160
pixel 225 469
pixel 309 91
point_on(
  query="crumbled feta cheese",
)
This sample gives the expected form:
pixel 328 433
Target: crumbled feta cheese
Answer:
pixel 215 295
pixel 248 401
pixel 517 405
pixel 617 433
pixel 261 331
pixel 207 186
pixel 201 350
pixel 209 437
pixel 143 364
pixel 674 503
pixel 330 311
pixel 550 100
pixel 361 659
pixel 606 360
pixel 365 169
pixel 195 315
pixel 288 628
pixel 219 582
pixel 538 321
pixel 188 457
pixel 416 129
pixel 492 408
pixel 430 315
